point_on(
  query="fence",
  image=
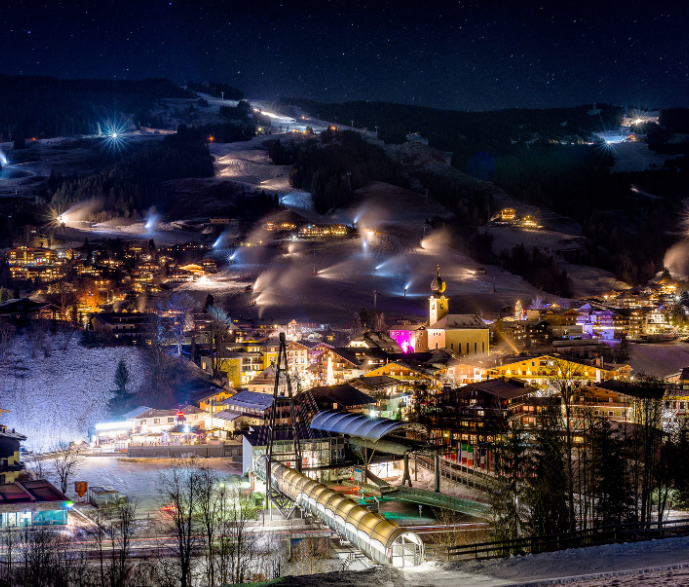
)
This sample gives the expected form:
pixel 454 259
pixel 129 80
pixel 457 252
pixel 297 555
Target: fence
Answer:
pixel 458 473
pixel 441 500
pixel 551 542
pixel 233 451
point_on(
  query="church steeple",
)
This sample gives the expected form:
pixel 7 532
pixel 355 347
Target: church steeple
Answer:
pixel 438 303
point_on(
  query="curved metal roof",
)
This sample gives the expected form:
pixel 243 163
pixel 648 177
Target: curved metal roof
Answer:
pixel 371 428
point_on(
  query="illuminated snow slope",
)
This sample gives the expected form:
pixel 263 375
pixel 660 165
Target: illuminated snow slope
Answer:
pixel 57 397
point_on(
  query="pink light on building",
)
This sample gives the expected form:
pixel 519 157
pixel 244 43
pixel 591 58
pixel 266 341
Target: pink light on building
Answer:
pixel 404 338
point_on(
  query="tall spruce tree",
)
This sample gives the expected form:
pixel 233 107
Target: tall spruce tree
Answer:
pixel 122 398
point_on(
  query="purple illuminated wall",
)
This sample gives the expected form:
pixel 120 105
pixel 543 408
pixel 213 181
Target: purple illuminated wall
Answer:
pixel 404 338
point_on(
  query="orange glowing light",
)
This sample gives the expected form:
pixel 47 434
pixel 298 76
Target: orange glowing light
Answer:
pixel 211 139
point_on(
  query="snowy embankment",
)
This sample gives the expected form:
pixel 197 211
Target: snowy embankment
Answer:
pixel 594 567
pixel 659 360
pixel 55 388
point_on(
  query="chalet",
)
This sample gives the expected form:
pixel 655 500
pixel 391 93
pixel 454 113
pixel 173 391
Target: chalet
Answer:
pixel 25 309
pixel 612 399
pixel 528 333
pixel 375 340
pixel 336 365
pixel 405 372
pixel 209 265
pixel 156 421
pixel 211 400
pixel 297 356
pixel 31 256
pixel 122 324
pixel 264 382
pixel 545 369
pixel 239 412
pixel 475 413
pixel 465 371
pixel 378 386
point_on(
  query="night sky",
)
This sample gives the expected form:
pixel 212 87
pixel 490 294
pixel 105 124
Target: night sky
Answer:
pixel 459 55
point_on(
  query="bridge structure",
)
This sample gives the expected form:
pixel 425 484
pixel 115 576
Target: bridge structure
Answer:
pixel 379 539
pixel 287 488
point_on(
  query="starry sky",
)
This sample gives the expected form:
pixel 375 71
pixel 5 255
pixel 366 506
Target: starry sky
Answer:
pixel 469 55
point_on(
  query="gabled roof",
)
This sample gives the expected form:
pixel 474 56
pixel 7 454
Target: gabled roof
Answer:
pixel 30 492
pixel 135 412
pixel 228 415
pixel 459 322
pixel 187 409
pixel 375 340
pixel 376 382
pixel 346 354
pixel 344 395
pixel 265 377
pixel 208 393
pixel 19 305
pixel 502 388
pixel 617 386
pixel 7 433
pixel 250 400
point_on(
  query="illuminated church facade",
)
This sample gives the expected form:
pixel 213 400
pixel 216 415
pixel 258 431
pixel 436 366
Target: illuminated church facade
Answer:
pixel 461 334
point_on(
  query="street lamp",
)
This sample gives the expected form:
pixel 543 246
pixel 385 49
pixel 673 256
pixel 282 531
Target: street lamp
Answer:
pixel 420 508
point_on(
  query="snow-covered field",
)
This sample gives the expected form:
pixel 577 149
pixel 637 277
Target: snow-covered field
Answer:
pixel 660 360
pixel 139 479
pixel 55 393
pixel 636 156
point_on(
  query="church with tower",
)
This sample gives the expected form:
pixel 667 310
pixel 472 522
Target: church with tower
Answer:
pixel 461 334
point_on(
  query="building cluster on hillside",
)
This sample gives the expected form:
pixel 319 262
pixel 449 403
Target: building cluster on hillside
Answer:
pixel 102 275
pixel 651 313
pixel 509 217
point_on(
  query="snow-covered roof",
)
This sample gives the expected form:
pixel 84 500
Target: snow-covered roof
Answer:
pixel 131 414
pixel 451 321
pixel 250 400
pixel 228 415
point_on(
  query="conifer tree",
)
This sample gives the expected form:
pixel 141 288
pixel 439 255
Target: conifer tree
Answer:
pixel 121 400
